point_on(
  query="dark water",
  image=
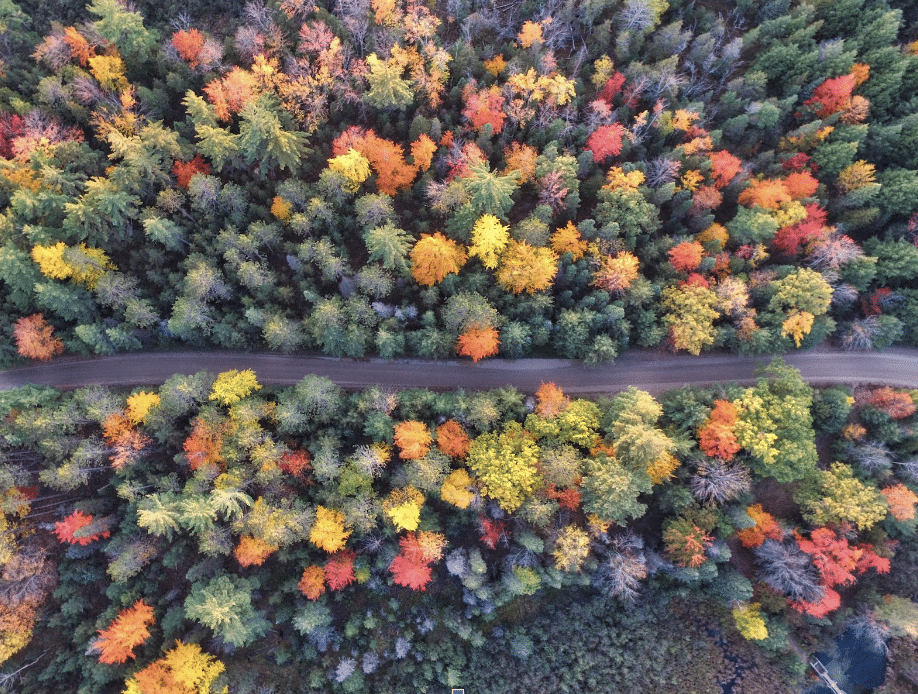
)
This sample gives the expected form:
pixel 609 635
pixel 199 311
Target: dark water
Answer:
pixel 866 668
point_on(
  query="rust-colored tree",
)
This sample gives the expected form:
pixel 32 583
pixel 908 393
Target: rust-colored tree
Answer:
pixel 252 551
pixel 832 96
pixel 296 463
pixel 492 531
pixel 478 343
pixel 413 440
pixel 616 273
pixel 801 184
pixel 339 570
pixel 185 170
pixel 484 107
pixel 550 401
pixel 188 44
pixel 129 629
pixel 312 582
pixel 765 527
pixel 422 151
pixel 35 338
pixel 724 167
pixel 409 568
pixel 895 403
pixel 767 193
pixel 685 542
pixel 452 439
pixel 202 447
pixel 686 257
pixel 717 438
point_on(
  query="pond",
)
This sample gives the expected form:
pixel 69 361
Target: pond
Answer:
pixel 856 666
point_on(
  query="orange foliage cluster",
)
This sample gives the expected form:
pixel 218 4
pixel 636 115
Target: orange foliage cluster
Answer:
pixel 452 439
pixel 765 527
pixel 434 257
pixel 478 343
pixel 127 631
pixel 724 166
pixel 897 404
pixel 706 198
pixel 66 529
pixel 185 170
pixel 35 338
pixel 230 94
pixel 789 239
pixel 716 438
pixel 422 151
pixel 386 158
pixel 801 184
pixel 312 582
pixel 339 570
pixel 484 107
pixel 413 440
pixel 567 239
pixel 768 193
pixel 605 142
pixel 79 46
pixel 295 463
pixel 252 551
pixel 551 401
pixel 203 446
pixel 521 158
pixel 686 256
pixel 566 498
pixel 687 543
pixel 901 501
pixel 126 446
pixel 188 44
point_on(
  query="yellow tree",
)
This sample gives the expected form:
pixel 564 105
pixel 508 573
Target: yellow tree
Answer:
pixel 232 386
pixel 328 532
pixel 139 406
pixel 525 268
pixel 434 257
pixel 403 507
pixel 616 273
pixel 185 669
pixel 353 166
pixel 567 239
pixel 690 311
pixel 489 238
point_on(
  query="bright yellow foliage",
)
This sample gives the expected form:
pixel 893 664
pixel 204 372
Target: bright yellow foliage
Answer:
pixel 567 239
pixel 506 464
pixel 51 261
pixel 716 233
pixel 92 263
pixel 328 531
pixel 109 71
pixel 797 325
pixel 749 622
pixel 434 257
pixel 525 268
pixel 603 68
pixel 186 666
pixel 616 273
pixel 692 179
pixel 232 386
pixel 489 238
pixel 856 175
pixel 690 311
pixel 455 489
pixel 403 507
pixel 353 166
pixel 662 468
pixel 617 179
pixel 139 406
pixel 495 65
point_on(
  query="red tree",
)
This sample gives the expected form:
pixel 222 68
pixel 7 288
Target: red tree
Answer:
pixel 716 438
pixel 483 107
pixel 11 126
pixel 410 572
pixel 184 170
pixel 35 338
pixel 566 498
pixel 66 529
pixel 339 570
pixel 612 87
pixel 492 531
pixel 832 96
pixel 788 240
pixel 295 463
pixel 897 404
pixel 605 142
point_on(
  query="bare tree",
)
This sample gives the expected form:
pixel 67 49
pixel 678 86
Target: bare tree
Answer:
pixel 789 570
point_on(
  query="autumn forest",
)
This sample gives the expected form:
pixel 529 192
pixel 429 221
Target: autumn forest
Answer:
pixel 463 180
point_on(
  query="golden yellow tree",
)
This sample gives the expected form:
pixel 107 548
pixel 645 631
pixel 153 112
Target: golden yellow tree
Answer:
pixel 434 257
pixel 328 531
pixel 525 268
pixel 489 238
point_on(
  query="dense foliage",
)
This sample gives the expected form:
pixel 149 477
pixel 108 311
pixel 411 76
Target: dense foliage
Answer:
pixel 216 532
pixel 384 178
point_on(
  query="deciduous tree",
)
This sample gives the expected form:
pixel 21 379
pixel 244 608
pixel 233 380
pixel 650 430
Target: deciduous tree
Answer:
pixel 413 439
pixel 505 464
pixel 605 142
pixel 328 531
pixel 525 268
pixel 434 257
pixel 129 629
pixel 452 439
pixel 489 238
pixel 478 343
pixel 35 338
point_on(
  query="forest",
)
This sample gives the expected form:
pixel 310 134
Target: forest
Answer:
pixel 214 534
pixel 455 179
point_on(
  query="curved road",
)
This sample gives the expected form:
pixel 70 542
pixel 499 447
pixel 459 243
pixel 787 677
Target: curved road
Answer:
pixel 651 371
